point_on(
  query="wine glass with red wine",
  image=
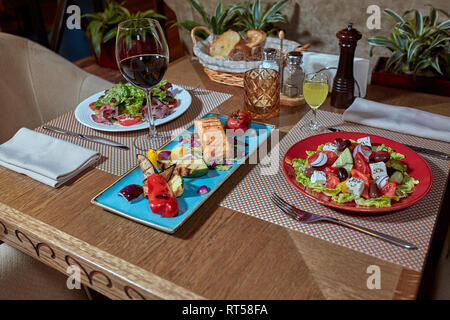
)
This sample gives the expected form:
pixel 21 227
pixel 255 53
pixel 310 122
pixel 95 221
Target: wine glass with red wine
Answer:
pixel 142 55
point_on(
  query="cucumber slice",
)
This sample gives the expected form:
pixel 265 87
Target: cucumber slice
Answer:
pixel 345 158
pixel 397 177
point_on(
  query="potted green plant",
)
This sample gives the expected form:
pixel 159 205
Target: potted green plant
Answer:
pixel 420 58
pixel 102 30
pixel 239 17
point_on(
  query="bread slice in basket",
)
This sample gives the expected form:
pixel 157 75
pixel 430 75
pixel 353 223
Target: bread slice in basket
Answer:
pixel 254 38
pixel 222 46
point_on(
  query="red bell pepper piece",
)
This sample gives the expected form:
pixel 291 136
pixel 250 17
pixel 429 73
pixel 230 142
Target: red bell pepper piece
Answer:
pixel 160 197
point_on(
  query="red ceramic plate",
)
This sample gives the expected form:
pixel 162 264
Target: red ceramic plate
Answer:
pixel 417 168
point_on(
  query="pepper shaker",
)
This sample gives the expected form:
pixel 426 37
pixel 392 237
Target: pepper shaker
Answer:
pixel 293 75
pixel 342 94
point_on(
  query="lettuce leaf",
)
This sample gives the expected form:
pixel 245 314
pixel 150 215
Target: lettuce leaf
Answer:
pixel 320 188
pixel 379 202
pixel 406 187
pixel 299 167
pixel 398 165
pixel 394 155
pixel 344 197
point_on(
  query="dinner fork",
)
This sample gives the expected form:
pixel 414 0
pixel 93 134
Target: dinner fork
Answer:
pixel 307 217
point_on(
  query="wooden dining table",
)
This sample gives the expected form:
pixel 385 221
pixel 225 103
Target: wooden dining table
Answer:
pixel 218 253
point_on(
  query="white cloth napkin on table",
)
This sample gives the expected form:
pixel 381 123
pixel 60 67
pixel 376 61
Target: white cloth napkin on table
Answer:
pixel 314 61
pixel 401 119
pixel 44 158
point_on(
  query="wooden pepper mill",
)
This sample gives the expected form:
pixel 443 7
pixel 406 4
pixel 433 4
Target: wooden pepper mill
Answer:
pixel 342 94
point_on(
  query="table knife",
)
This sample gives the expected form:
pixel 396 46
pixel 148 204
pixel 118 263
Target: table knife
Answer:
pixel 430 152
pixel 86 137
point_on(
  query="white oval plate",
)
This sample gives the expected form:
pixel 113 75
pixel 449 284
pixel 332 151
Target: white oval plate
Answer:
pixel 83 112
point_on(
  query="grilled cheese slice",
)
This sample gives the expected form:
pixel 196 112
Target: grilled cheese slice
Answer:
pixel 215 145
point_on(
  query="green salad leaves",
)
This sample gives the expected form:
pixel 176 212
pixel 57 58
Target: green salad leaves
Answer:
pixel 130 99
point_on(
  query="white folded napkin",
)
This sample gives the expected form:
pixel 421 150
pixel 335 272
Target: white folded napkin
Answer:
pixel 314 61
pixel 401 119
pixel 44 158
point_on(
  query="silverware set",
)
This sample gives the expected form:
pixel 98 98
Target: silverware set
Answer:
pixel 307 217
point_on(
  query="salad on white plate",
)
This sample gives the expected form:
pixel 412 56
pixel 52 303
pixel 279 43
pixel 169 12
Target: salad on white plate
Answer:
pixel 126 105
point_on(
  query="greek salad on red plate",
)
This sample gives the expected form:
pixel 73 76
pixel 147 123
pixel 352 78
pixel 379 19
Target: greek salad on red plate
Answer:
pixel 347 170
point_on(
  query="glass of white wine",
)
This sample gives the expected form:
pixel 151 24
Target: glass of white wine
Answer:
pixel 315 91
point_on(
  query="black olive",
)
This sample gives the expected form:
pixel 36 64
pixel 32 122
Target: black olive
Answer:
pixel 343 145
pixel 309 172
pixel 373 190
pixel 390 171
pixel 342 174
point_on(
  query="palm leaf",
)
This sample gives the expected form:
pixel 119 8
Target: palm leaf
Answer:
pixel 406 30
pixel 423 64
pixel 274 9
pixel 435 65
pixel 381 42
pixel 219 9
pixel 438 41
pixel 394 16
pixel 444 25
pixel 433 17
pixel 199 8
pixel 394 59
pixel 418 22
pixel 111 34
pixel 413 49
pixel 256 10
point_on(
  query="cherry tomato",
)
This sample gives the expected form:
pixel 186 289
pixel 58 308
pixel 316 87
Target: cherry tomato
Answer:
pixel 173 104
pixel 361 164
pixel 128 120
pixel 239 120
pixel 330 170
pixel 332 157
pixel 361 176
pixel 332 181
pixel 352 146
pixel 388 189
pixel 92 104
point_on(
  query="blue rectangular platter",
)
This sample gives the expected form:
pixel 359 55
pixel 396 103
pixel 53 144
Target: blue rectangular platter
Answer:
pixel 190 201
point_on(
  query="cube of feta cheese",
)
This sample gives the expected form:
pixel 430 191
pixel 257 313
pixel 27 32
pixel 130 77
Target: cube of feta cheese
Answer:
pixel 319 177
pixel 330 147
pixel 378 169
pixel 364 141
pixel 355 186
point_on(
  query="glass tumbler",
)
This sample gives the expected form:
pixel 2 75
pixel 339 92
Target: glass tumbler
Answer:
pixel 262 93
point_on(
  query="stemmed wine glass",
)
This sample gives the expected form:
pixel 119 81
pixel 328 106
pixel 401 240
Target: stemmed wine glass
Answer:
pixel 315 91
pixel 142 55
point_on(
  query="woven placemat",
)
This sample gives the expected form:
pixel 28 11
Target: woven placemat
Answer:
pixel 117 161
pixel 415 224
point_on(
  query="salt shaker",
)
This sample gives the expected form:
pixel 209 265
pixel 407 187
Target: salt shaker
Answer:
pixel 293 75
pixel 270 59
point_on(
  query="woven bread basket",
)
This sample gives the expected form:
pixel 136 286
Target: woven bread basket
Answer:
pixel 231 72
